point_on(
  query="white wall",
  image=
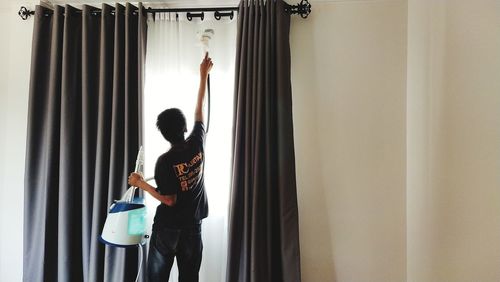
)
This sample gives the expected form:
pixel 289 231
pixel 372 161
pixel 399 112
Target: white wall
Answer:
pixel 15 54
pixel 354 163
pixel 349 91
pixel 454 140
pixel 426 54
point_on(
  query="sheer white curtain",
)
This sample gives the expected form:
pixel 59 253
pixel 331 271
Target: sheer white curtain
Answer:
pixel 172 75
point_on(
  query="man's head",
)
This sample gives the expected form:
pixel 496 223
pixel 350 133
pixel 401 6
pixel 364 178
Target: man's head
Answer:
pixel 172 125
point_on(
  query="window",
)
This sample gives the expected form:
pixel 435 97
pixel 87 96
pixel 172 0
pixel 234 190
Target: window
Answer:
pixel 172 78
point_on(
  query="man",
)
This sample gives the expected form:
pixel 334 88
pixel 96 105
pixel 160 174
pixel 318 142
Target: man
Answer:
pixel 181 191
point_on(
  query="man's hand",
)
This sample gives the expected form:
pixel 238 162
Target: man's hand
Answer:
pixel 205 66
pixel 135 179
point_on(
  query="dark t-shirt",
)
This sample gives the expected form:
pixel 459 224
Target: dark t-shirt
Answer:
pixel 180 171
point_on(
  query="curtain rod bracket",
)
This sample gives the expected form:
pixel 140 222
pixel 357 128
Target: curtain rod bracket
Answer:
pixel 200 15
pixel 218 15
pixel 24 13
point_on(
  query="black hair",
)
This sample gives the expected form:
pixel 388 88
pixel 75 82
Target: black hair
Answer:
pixel 172 125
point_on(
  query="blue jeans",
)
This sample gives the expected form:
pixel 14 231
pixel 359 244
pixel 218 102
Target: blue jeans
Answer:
pixel 167 243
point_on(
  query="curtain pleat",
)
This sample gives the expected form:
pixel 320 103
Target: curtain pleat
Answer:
pixel 90 102
pixel 69 200
pixel 263 231
pixel 84 131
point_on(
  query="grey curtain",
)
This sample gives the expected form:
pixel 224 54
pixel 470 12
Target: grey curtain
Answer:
pixel 263 222
pixel 84 131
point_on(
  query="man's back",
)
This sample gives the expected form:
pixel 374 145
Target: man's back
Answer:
pixel 180 171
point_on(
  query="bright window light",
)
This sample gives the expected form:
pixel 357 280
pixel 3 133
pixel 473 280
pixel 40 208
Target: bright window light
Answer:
pixel 172 79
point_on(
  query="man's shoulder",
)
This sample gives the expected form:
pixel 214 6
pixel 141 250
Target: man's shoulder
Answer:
pixel 175 154
pixel 164 158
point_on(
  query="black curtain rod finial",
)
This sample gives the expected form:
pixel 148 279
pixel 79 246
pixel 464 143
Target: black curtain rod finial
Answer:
pixel 24 13
pixel 303 9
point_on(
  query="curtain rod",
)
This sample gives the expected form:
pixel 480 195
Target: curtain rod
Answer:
pixel 303 9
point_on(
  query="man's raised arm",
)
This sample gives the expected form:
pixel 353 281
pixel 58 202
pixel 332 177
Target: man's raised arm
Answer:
pixel 205 67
